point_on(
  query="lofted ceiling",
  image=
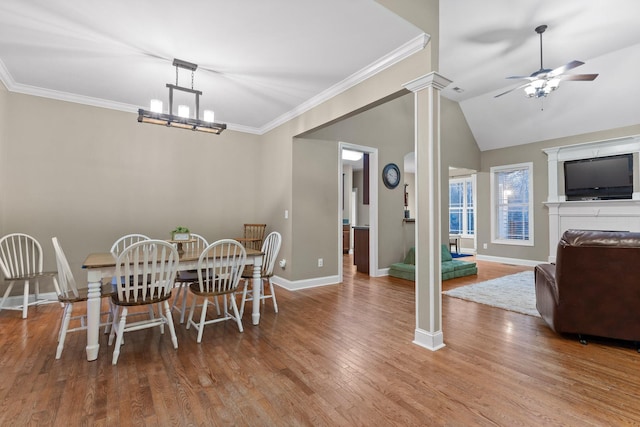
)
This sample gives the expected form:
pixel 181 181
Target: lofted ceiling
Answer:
pixel 261 63
pixel 481 43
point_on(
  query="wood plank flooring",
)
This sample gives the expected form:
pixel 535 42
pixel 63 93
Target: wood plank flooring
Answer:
pixel 338 355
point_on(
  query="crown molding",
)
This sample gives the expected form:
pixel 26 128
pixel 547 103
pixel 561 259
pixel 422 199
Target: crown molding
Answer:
pixel 412 46
pixel 12 86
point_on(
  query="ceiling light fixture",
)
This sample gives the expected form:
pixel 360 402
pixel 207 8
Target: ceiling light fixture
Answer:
pixel 544 81
pixel 353 156
pixel 156 116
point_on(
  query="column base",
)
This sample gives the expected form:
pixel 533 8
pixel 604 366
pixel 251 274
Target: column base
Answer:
pixel 429 340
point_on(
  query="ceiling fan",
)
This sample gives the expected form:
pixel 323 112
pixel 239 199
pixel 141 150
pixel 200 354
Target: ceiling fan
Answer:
pixel 544 81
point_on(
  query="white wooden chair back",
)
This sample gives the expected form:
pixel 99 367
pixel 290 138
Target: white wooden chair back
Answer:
pixel 125 241
pixel 145 271
pixel 198 245
pixel 20 255
pixel 66 282
pixel 220 266
pixel 270 248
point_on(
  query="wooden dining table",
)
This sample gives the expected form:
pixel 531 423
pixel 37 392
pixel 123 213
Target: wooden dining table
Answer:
pixel 102 265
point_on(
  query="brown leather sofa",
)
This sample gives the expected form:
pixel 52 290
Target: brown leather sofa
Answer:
pixel 594 286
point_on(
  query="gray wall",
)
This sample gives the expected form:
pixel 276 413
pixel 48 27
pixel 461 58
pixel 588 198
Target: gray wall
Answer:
pixel 315 203
pixel 389 128
pixel 89 175
pixel 3 132
pixel 459 150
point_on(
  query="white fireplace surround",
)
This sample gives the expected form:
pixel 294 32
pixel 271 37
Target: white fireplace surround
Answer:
pixel 621 215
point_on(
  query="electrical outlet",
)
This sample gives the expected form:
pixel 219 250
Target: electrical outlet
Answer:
pixel 320 262
pixel 286 214
pixel 484 246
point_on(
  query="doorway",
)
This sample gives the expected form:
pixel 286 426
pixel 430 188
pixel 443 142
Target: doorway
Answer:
pixel 361 214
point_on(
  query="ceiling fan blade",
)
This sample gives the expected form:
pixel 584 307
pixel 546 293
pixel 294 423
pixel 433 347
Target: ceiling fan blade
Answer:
pixel 511 90
pixel 561 70
pixel 580 77
pixel 522 78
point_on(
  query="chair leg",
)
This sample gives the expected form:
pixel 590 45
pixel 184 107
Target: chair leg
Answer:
pixel 244 298
pixel 36 290
pixel 172 330
pixel 6 294
pixel 191 310
pixel 64 325
pixel 203 317
pixel 114 324
pixel 184 307
pixel 273 295
pixel 176 300
pixel 25 305
pixel 217 304
pixel 110 315
pixel 119 334
pixel 159 307
pixel 235 312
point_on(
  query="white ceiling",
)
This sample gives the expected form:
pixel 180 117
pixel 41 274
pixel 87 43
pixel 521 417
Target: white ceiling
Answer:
pixel 263 62
pixel 258 60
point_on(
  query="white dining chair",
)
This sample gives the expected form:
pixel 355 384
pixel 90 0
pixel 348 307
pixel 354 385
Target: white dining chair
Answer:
pixel 127 240
pixel 120 245
pixel 69 295
pixel 219 270
pixel 270 249
pixel 145 273
pixel 184 278
pixel 21 260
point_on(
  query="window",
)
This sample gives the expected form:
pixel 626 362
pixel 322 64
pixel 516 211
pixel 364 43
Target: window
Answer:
pixel 462 211
pixel 511 201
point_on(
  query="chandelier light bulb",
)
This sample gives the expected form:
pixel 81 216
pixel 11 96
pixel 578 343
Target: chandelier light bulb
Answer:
pixel 183 111
pixel 209 116
pixel 155 106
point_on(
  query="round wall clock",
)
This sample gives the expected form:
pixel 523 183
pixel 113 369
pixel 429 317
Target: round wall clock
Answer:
pixel 391 175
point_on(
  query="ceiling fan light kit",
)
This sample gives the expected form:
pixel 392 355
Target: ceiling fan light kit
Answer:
pixel 544 81
pixel 182 120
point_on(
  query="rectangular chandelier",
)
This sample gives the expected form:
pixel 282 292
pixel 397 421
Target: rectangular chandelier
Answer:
pixel 182 120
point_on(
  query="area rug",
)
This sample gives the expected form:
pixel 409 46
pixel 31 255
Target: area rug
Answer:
pixel 515 292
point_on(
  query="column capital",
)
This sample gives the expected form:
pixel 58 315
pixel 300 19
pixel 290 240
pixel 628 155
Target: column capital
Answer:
pixel 432 79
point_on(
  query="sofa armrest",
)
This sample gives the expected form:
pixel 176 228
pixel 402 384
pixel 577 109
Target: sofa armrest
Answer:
pixel 547 296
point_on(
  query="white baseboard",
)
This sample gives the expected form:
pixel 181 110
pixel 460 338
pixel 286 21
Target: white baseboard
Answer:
pixel 306 283
pixel 514 261
pixel 382 272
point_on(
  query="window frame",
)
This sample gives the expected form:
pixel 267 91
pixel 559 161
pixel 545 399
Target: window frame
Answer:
pixel 494 171
pixel 466 180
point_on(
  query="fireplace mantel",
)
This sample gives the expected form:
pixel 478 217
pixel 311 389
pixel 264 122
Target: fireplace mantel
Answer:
pixel 623 215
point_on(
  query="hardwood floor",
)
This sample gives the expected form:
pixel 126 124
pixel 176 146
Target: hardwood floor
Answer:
pixel 335 355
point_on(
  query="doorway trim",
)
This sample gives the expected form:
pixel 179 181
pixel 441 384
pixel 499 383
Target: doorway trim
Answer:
pixel 373 206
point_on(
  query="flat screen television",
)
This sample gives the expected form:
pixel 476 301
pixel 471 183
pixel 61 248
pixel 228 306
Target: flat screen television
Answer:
pixel 599 178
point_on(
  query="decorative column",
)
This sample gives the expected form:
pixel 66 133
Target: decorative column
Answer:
pixel 426 90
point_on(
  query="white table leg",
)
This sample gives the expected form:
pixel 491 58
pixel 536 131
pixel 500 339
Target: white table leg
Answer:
pixel 93 314
pixel 255 313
